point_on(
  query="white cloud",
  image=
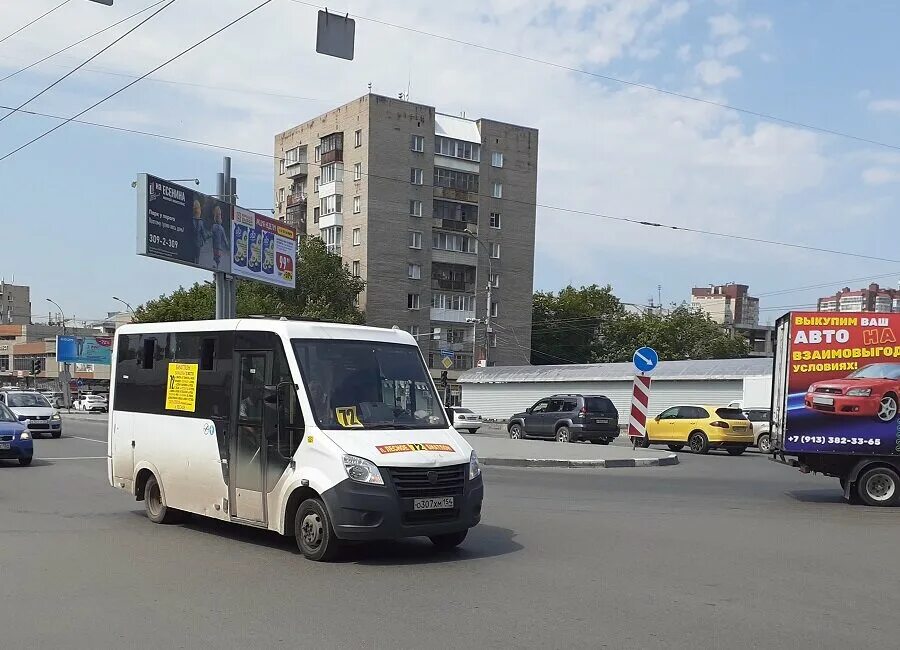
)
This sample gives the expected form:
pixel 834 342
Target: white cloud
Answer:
pixel 880 176
pixel 712 72
pixel 725 25
pixel 763 23
pixel 733 46
pixel 684 52
pixel 885 106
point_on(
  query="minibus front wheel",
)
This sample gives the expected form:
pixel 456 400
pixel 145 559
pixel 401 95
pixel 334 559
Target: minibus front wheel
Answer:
pixel 315 532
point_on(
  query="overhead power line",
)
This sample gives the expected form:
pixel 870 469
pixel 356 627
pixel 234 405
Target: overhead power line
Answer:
pixel 29 24
pixel 90 58
pixel 129 85
pixel 830 284
pixel 79 42
pixel 404 181
pixel 625 82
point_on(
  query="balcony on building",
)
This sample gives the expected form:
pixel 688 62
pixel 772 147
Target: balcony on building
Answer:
pixel 331 148
pixel 452 277
pixel 455 216
pixel 295 163
pixel 331 220
pixel 295 214
pixel 455 185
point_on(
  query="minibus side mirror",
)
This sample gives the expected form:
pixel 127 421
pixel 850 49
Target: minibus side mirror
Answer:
pixel 278 392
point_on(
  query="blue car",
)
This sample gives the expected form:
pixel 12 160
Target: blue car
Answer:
pixel 15 439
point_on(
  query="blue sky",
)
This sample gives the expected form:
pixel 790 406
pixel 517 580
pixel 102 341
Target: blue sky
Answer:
pixel 68 214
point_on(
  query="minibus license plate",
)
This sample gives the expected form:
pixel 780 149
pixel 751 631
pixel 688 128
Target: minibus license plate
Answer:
pixel 5 445
pixel 433 504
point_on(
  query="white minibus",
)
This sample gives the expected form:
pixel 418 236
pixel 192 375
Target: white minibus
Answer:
pixel 320 431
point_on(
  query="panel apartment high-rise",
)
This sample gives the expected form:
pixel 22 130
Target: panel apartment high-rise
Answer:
pixel 404 194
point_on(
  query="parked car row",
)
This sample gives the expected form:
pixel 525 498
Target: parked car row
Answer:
pixel 573 417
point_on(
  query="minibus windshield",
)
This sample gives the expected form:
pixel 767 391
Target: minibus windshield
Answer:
pixel 368 385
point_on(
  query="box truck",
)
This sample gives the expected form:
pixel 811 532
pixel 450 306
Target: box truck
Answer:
pixel 836 391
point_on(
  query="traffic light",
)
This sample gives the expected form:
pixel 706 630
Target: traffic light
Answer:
pixel 35 366
pixel 443 378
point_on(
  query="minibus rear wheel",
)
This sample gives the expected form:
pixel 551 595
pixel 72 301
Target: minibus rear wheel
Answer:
pixel 314 532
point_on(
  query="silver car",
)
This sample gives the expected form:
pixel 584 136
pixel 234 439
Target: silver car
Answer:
pixel 465 419
pixel 760 419
pixel 34 410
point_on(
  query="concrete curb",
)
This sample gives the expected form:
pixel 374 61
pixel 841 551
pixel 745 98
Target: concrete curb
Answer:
pixel 670 459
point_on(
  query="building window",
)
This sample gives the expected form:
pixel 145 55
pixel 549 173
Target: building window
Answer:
pixel 494 280
pixel 356 205
pixel 415 239
pixel 317 212
pixel 332 238
pixel 413 329
pixel 495 250
pixel 495 220
pixel 412 301
pixel 453 242
pixel 355 268
pixel 357 138
pixel 318 153
pixel 281 167
pixel 457 148
pixel 492 338
pixel 281 194
pixel 414 271
pixel 495 309
pixel 357 171
pixel 418 143
pixel 331 204
pixel 416 176
pixel 497 159
pixel 316 184
pixel 356 237
pixel 497 190
pixel 455 180
pixel 453 301
pixel 331 173
pixel 415 208
pixel 456 335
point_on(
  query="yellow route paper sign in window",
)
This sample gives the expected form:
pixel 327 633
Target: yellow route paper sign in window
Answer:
pixel 347 417
pixel 181 387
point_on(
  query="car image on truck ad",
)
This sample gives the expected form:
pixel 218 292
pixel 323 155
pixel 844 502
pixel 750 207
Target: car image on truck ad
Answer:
pixel 836 400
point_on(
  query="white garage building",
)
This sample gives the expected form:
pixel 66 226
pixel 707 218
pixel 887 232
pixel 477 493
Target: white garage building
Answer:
pixel 499 392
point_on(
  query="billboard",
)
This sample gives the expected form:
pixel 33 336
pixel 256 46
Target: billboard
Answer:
pixel 843 383
pixel 181 225
pixel 263 249
pixel 84 349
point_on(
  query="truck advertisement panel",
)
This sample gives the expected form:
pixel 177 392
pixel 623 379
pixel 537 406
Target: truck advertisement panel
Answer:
pixel 263 249
pixel 843 384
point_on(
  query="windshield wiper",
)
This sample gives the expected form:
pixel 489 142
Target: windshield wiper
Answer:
pixel 390 426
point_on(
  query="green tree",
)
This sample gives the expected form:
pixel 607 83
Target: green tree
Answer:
pixel 326 290
pixel 680 333
pixel 566 324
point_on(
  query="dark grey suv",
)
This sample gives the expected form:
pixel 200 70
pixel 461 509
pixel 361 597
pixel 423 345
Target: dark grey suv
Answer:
pixel 568 418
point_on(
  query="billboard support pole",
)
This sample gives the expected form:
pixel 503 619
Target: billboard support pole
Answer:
pixel 225 285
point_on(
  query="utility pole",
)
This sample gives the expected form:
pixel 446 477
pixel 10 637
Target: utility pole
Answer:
pixel 487 316
pixel 226 290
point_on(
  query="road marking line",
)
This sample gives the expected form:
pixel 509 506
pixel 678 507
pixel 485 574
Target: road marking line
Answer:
pixel 71 457
pixel 89 439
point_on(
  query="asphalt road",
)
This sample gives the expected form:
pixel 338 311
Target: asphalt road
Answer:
pixel 718 552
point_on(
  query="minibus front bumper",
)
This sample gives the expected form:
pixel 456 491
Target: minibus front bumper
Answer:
pixel 362 511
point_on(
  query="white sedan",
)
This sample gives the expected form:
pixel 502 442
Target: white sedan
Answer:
pixel 464 418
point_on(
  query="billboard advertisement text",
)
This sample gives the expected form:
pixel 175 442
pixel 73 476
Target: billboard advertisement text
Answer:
pixel 84 350
pixel 843 380
pixel 263 249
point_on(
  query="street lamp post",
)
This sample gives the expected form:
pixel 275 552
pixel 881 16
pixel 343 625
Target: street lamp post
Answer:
pixel 487 315
pixel 127 306
pixel 65 384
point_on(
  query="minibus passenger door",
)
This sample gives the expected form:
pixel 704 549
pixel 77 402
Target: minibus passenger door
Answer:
pixel 253 418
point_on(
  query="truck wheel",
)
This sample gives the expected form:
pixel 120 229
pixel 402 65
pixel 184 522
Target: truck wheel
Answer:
pixel 879 486
pixel 699 443
pixel 314 532
pixel 764 444
pixel 887 408
pixel 449 540
pixel 516 432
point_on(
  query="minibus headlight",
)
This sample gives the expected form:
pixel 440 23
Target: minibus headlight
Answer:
pixel 362 470
pixel 474 467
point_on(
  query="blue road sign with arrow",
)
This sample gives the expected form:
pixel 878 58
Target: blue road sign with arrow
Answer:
pixel 645 359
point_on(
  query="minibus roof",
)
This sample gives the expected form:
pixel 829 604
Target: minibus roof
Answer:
pixel 294 329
